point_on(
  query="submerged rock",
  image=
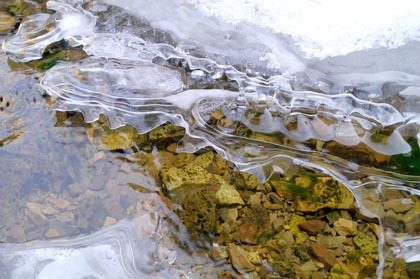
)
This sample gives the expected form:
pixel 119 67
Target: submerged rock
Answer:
pixel 312 192
pixel 7 23
pixel 345 227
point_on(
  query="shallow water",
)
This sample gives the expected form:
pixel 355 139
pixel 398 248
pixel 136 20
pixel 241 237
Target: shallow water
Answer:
pixel 267 103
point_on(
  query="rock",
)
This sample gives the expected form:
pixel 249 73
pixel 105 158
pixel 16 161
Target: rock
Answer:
pixel 7 23
pixel 35 208
pixel 59 203
pixel 331 242
pixel 204 160
pixel 376 229
pixel 174 177
pixel 166 133
pixel 312 192
pixel 121 138
pixel 324 255
pixel 239 259
pixel 312 227
pixel 227 194
pixel 368 244
pixel 49 210
pixel 399 205
pixel 218 253
pixel 248 233
pixel 52 233
pixel 345 227
pixel 309 266
pixel 109 221
pixel 228 215
pixel 294 223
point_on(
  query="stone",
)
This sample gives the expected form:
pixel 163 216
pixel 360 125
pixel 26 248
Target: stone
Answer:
pixel 174 177
pixel 227 194
pixel 324 255
pixel 331 242
pixel 309 266
pixel 239 260
pixel 109 221
pixel 399 205
pixel 228 215
pixel 248 233
pixel 52 233
pixel 312 227
pixel 7 23
pixel 59 203
pixel 345 227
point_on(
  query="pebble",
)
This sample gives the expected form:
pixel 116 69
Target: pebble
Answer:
pixel 59 203
pixel 239 260
pixel 7 23
pixel 399 205
pixel 52 233
pixel 109 221
pixel 345 227
pixel 312 227
pixel 324 255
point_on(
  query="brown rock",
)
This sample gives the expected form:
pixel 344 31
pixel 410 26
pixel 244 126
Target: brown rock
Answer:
pixel 239 260
pixel 312 227
pixel 248 233
pixel 7 23
pixel 324 255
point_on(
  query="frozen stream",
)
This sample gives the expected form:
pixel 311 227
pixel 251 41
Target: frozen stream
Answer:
pixel 314 72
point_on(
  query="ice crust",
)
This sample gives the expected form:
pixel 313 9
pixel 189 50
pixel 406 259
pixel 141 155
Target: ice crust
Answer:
pixel 146 83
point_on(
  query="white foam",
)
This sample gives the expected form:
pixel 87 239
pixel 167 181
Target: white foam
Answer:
pixel 324 28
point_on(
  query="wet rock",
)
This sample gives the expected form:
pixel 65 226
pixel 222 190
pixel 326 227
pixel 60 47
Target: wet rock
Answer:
pixel 219 253
pixel 198 207
pixel 239 259
pixel 309 266
pixel 165 134
pixel 52 233
pixel 174 177
pixel 229 215
pixel 121 138
pixel 58 203
pixel 313 192
pixel 7 23
pixel 324 255
pixel 399 205
pixel 248 233
pixel 312 227
pixel 227 194
pixel 368 244
pixel 109 221
pixel 345 227
pixel 294 223
pixel 330 241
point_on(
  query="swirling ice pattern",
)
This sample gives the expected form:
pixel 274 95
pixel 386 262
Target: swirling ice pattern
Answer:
pixel 146 84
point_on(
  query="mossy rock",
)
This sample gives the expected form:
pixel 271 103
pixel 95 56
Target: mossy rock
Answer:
pixel 121 138
pixel 176 177
pixel 199 207
pixel 312 193
pixel 165 134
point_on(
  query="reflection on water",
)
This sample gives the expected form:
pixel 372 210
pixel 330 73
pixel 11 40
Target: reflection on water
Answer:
pixel 87 154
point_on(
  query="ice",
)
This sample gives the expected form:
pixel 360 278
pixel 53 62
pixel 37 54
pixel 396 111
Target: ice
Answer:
pixel 69 23
pixel 346 26
pixel 235 57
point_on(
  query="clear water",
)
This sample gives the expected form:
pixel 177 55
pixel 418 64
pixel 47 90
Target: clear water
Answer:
pixel 153 62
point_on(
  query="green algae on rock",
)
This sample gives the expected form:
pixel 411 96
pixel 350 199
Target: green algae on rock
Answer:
pixel 314 192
